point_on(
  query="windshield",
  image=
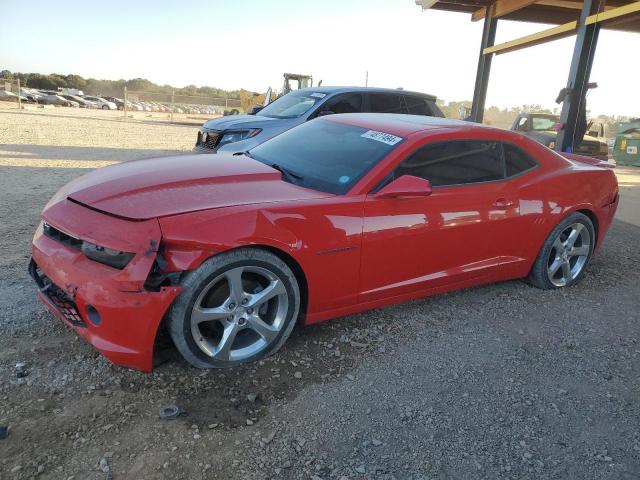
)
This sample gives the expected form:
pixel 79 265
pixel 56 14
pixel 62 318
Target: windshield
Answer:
pixel 292 105
pixel 544 123
pixel 325 155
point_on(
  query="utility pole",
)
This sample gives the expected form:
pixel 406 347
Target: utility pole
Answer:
pixel 173 104
pixel 366 79
pixel 124 109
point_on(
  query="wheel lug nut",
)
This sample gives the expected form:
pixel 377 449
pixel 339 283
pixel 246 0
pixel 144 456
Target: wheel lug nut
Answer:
pixel 249 311
pixel 232 306
pixel 245 301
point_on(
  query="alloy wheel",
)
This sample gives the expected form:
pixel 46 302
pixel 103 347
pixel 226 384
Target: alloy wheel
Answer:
pixel 239 313
pixel 569 254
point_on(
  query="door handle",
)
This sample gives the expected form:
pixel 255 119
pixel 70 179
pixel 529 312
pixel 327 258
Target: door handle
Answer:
pixel 502 203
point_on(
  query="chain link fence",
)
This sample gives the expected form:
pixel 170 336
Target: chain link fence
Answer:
pixel 177 107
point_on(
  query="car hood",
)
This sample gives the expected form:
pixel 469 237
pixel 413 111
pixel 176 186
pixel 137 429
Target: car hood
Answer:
pixel 160 187
pixel 232 122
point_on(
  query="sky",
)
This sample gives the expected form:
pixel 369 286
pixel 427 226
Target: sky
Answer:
pixel 250 44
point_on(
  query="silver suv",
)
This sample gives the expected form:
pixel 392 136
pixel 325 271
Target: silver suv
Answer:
pixel 239 133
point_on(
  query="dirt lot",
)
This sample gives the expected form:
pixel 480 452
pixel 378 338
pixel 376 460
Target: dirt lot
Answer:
pixel 503 381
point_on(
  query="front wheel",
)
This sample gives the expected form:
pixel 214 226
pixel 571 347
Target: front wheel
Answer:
pixel 237 307
pixel 105 107
pixel 566 252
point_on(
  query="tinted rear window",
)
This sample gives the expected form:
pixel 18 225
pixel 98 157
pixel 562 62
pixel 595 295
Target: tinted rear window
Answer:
pixel 329 156
pixel 386 103
pixel 417 106
pixel 516 160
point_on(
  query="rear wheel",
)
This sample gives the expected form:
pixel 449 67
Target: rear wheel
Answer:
pixel 105 107
pixel 566 252
pixel 236 307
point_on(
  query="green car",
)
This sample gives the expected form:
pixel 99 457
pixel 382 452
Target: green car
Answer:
pixel 626 150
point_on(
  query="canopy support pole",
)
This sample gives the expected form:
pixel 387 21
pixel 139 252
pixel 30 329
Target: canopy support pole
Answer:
pixel 574 106
pixel 484 65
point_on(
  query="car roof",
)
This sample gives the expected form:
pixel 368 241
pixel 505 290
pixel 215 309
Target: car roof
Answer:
pixel 401 124
pixel 338 89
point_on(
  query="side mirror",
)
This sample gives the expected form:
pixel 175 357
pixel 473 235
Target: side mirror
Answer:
pixel 405 186
pixel 325 112
pixel 255 109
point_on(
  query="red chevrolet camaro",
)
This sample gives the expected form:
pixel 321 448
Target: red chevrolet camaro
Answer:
pixel 341 214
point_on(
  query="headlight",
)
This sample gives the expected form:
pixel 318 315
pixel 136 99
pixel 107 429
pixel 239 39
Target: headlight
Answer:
pixel 107 256
pixel 237 135
pixel 552 145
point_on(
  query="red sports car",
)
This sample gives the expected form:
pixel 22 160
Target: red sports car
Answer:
pixel 341 214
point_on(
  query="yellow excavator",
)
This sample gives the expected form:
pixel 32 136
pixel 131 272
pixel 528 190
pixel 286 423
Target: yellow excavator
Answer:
pixel 292 81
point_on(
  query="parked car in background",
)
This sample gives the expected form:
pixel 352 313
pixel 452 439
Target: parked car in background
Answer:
pixel 543 127
pixel 31 95
pixel 81 101
pixel 335 216
pixel 238 133
pixel 57 100
pixel 7 96
pixel 118 101
pixel 71 91
pixel 102 103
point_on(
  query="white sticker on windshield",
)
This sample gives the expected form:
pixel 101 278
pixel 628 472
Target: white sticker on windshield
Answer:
pixel 381 137
pixel 318 95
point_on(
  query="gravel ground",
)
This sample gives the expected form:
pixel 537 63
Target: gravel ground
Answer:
pixel 498 382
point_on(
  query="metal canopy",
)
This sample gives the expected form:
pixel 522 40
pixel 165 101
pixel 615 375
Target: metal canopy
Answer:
pixel 584 19
pixel 553 12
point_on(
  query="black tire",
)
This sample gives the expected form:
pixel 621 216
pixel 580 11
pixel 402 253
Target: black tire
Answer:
pixel 540 272
pixel 194 284
pixel 105 107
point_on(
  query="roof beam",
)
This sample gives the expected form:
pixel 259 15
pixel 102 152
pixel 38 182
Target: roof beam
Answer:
pixel 569 4
pixel 544 36
pixel 614 13
pixel 502 8
pixel 426 4
pixel 564 30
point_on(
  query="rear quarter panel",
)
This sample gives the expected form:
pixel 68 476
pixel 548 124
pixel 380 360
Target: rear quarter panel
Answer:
pixel 560 188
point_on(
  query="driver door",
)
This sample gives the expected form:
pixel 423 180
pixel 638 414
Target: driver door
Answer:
pixel 413 245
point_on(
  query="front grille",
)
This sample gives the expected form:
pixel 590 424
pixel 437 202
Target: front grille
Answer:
pixel 209 140
pixel 61 237
pixel 58 297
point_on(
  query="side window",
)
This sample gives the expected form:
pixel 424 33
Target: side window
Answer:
pixel 523 124
pixel 455 163
pixel 516 160
pixel 417 105
pixel 386 103
pixel 350 103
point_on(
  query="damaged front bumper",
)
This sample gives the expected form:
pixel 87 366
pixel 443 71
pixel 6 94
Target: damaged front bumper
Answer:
pixel 110 308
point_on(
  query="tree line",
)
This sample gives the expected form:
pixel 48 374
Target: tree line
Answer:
pixel 93 86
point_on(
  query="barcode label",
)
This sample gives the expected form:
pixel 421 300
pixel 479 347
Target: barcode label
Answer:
pixel 381 137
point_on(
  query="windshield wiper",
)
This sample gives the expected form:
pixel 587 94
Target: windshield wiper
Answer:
pixel 246 153
pixel 288 174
